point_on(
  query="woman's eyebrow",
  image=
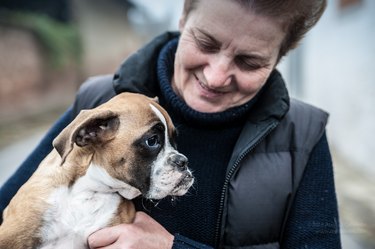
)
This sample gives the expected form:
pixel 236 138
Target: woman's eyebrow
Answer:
pixel 258 58
pixel 208 36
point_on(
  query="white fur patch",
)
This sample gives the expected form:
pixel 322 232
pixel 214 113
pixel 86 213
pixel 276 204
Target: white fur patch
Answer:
pixel 108 184
pixel 165 177
pixel 76 212
pixel 164 121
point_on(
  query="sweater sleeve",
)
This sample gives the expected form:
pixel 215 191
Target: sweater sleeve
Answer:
pixel 181 242
pixel 314 220
pixel 27 168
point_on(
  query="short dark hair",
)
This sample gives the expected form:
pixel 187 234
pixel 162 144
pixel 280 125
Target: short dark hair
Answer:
pixel 297 17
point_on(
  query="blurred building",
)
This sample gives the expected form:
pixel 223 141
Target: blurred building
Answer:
pixel 48 48
pixel 59 10
pixel 40 53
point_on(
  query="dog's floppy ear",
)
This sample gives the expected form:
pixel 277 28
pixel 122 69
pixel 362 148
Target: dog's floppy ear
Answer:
pixel 88 128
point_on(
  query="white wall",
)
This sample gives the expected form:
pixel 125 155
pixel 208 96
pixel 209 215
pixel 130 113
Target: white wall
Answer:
pixel 338 74
pixel 153 17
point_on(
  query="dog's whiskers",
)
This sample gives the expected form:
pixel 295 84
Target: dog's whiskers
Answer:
pixel 144 205
pixel 193 190
pixel 173 200
pixel 156 203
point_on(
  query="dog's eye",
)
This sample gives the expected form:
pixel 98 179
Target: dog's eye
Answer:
pixel 153 141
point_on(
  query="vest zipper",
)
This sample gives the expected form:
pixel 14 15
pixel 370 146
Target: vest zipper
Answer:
pixel 229 176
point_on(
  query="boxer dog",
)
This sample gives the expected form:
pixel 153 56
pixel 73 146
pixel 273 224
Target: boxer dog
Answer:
pixel 103 159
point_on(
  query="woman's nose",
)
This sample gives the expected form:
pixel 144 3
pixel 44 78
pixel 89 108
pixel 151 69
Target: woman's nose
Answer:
pixel 218 72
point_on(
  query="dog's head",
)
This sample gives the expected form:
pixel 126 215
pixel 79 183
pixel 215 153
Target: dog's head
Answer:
pixel 131 137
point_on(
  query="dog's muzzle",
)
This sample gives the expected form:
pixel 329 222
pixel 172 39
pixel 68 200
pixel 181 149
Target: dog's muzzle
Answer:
pixel 171 177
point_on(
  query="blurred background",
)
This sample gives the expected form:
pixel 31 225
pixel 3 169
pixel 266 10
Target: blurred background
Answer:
pixel 48 48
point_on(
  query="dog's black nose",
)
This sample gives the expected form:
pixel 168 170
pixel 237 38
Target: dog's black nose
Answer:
pixel 179 160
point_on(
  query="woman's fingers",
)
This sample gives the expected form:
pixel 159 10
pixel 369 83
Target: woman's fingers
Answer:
pixel 104 237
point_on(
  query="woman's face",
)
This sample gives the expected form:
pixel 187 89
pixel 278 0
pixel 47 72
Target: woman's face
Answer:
pixel 225 55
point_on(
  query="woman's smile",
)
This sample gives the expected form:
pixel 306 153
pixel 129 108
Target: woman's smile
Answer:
pixel 208 92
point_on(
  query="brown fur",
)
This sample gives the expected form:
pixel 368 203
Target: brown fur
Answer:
pixel 68 161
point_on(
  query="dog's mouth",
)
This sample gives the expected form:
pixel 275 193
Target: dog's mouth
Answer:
pixel 184 185
pixel 177 187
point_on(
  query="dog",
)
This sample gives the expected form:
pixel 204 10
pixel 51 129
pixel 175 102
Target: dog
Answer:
pixel 102 160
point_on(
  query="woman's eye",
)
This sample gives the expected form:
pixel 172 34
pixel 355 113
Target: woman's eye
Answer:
pixel 247 65
pixel 153 141
pixel 206 47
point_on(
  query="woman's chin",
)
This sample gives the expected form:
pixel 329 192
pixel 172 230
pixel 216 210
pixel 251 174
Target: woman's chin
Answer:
pixel 204 106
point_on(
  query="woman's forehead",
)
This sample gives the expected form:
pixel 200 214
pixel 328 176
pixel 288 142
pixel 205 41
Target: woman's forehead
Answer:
pixel 231 24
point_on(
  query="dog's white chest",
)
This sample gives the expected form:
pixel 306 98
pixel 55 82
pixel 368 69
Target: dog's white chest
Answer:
pixel 75 213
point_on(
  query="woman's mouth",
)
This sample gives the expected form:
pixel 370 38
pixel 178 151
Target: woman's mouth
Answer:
pixel 208 92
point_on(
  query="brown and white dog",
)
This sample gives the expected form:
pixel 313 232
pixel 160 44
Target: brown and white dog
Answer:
pixel 104 158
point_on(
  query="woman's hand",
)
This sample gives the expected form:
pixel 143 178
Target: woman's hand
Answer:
pixel 144 232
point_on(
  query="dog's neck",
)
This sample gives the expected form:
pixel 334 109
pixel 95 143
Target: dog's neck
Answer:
pixel 97 179
pixel 83 175
pixel 78 210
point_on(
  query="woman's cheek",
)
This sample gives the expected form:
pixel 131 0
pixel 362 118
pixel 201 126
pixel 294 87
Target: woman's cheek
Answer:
pixel 256 80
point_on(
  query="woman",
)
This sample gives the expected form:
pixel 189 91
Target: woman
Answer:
pixel 262 162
